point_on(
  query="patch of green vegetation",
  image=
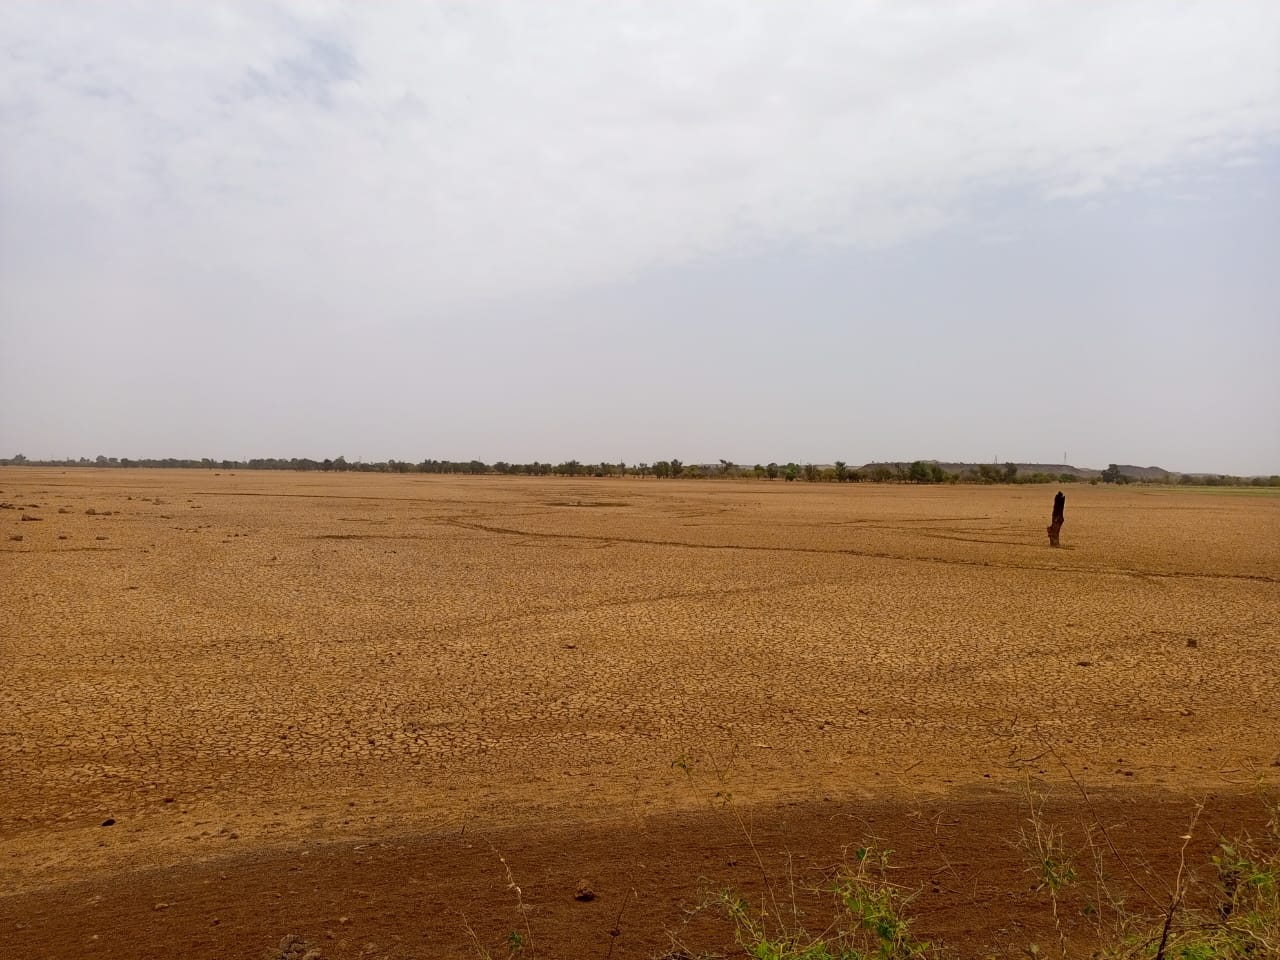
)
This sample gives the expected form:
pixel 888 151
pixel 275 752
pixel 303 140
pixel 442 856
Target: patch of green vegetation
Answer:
pixel 869 922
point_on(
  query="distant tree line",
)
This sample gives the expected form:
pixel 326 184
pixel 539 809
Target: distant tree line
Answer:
pixel 917 472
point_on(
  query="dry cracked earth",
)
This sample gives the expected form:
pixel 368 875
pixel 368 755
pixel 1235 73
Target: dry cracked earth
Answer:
pixel 243 706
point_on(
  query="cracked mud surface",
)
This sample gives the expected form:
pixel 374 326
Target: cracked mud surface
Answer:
pixel 227 662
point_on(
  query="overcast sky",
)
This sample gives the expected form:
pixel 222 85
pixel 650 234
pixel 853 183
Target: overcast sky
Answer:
pixel 758 231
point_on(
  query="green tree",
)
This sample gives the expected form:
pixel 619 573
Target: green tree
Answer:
pixel 842 471
pixel 771 471
pixel 1112 474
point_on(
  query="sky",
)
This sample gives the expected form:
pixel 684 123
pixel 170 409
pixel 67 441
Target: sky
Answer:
pixel 803 231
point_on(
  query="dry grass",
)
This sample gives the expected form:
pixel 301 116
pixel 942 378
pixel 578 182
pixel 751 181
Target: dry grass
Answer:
pixel 284 655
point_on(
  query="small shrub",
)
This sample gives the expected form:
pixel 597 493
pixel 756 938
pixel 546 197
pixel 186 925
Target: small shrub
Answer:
pixel 869 921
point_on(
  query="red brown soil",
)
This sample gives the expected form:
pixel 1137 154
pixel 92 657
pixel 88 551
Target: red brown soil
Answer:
pixel 303 698
pixel 447 894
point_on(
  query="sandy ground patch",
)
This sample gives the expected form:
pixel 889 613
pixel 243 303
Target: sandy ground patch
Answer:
pixel 222 663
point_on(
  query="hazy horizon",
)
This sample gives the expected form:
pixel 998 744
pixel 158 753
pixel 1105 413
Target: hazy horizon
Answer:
pixel 743 469
pixel 699 230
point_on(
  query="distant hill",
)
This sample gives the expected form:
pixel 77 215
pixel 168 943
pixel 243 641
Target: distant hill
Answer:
pixel 1150 474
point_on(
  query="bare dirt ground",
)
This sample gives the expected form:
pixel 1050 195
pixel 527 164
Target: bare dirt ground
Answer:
pixel 327 704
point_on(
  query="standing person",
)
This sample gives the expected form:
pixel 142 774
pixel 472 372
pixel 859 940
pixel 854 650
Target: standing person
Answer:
pixel 1059 518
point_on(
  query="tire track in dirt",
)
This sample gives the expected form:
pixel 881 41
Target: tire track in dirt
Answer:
pixel 574 609
pixel 66 550
pixel 570 609
pixel 851 552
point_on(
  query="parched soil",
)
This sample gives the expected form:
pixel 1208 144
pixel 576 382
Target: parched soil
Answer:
pixel 327 705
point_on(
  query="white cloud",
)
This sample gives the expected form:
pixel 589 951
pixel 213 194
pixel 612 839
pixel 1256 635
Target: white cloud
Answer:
pixel 391 159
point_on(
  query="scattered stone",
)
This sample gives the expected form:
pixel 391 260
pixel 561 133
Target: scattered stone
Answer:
pixel 64 509
pixel 28 518
pixel 91 512
pixel 344 920
pixel 109 822
pixel 584 893
pixel 161 906
pixel 99 538
pixel 1084 663
pixel 293 947
pixel 167 800
pixel 1192 642
pixel 16 537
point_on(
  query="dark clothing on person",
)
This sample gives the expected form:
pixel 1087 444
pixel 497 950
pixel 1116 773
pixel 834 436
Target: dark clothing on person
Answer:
pixel 1059 518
